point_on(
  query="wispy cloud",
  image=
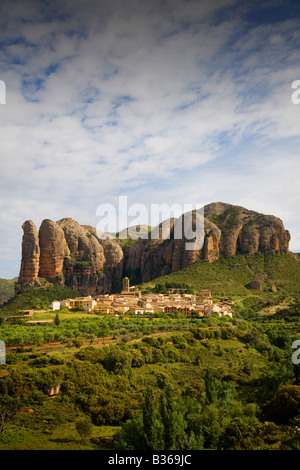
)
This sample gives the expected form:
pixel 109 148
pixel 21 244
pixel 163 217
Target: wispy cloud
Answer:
pixel 163 101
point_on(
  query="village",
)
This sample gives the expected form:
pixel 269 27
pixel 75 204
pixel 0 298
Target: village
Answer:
pixel 130 300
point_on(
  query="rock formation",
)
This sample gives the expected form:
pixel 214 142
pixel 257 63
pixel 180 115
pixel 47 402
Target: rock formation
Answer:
pixel 246 231
pixel 30 254
pixel 81 257
pixel 53 251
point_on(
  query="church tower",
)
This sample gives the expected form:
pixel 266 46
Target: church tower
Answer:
pixel 125 284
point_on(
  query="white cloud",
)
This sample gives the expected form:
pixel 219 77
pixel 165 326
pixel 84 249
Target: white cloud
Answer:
pixel 143 98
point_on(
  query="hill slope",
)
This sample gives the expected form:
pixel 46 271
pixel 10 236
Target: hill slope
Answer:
pixel 35 297
pixel 7 288
pixel 230 275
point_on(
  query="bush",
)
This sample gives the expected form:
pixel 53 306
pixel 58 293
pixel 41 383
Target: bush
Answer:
pixel 284 406
pixel 118 361
pixel 77 343
pixel 90 354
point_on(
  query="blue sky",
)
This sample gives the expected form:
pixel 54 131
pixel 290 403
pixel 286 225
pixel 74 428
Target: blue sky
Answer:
pixel 163 101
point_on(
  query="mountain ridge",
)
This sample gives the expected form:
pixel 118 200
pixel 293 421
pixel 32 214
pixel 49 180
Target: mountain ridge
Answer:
pixel 80 257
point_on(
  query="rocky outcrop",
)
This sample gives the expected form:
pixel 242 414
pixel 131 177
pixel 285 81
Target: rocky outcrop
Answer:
pixel 83 258
pixel 228 230
pixel 211 241
pixel 255 285
pixel 83 245
pixel 88 267
pixel 112 250
pixel 53 251
pixel 68 253
pixel 30 254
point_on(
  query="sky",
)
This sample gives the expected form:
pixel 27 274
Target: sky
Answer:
pixel 164 102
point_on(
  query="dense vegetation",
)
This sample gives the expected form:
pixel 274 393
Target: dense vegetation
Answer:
pixel 7 288
pixel 152 383
pixel 36 297
pixel 161 382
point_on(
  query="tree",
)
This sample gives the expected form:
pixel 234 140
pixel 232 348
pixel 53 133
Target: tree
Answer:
pixel 103 331
pixel 237 435
pixel 9 409
pixel 84 427
pixel 118 361
pixel 130 437
pixel 275 378
pixel 151 426
pixel 210 386
pixel 56 320
pixel 167 416
pixel 284 406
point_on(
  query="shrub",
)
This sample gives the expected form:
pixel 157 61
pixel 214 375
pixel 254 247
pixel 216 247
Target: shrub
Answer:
pixel 77 343
pixel 284 406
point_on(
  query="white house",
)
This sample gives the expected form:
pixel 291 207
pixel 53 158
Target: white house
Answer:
pixel 141 311
pixel 55 305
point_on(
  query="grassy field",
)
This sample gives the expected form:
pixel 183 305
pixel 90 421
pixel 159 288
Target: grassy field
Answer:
pixel 64 314
pixel 52 427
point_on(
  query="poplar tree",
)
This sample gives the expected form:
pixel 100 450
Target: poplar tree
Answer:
pixel 152 428
pixel 168 419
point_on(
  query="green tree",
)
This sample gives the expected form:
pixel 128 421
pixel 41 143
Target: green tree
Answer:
pixel 151 427
pixel 56 320
pixel 275 378
pixel 131 436
pixel 118 361
pixel 103 331
pixel 236 436
pixel 284 406
pixel 84 427
pixel 210 386
pixel 9 408
pixel 167 417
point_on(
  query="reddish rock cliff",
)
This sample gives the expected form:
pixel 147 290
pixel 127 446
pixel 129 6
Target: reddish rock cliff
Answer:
pixel 78 256
pixel 54 250
pixel 30 254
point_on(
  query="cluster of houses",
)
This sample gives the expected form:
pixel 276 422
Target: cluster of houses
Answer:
pixel 131 301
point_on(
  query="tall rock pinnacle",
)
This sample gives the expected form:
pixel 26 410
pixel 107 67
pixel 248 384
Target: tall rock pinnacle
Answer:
pixel 30 254
pixel 54 250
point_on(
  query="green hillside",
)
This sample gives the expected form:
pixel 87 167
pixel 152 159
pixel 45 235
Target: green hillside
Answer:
pixel 229 276
pixel 36 298
pixel 7 287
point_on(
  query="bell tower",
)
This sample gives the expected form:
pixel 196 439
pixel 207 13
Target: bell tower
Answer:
pixel 125 284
